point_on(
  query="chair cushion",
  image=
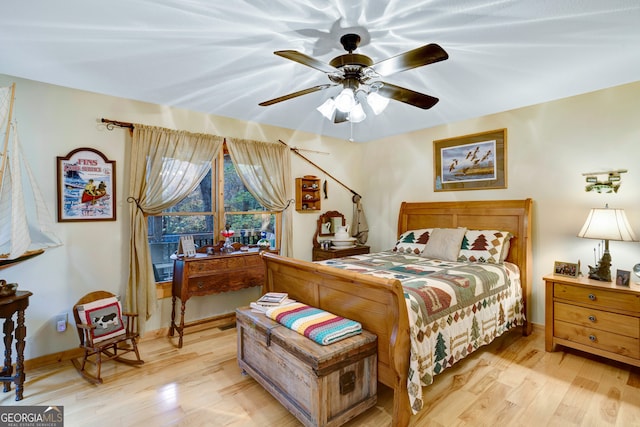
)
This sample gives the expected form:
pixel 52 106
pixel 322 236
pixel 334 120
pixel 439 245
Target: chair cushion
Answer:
pixel 106 315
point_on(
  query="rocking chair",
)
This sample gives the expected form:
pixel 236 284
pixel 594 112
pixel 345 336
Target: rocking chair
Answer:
pixel 103 333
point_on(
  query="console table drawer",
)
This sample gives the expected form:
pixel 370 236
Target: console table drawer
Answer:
pixel 206 266
pixel 598 297
pixel 603 340
pixel 591 318
pixel 225 281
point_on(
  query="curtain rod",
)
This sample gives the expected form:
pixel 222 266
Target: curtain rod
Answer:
pixel 112 123
pixel 297 151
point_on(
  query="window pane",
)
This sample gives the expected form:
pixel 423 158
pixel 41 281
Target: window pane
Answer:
pixel 198 201
pixel 164 235
pixel 236 196
pixel 247 227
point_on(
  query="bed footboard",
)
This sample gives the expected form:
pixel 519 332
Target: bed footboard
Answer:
pixel 378 304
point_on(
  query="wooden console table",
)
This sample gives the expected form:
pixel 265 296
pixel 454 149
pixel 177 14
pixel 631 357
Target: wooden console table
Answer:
pixel 212 274
pixel 8 307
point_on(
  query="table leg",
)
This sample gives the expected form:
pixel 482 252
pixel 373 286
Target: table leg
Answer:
pixel 21 333
pixel 7 370
pixel 181 330
pixel 173 316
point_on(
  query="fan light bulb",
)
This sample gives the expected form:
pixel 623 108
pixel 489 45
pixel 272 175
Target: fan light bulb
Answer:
pixel 377 102
pixel 328 108
pixel 357 114
pixel 345 101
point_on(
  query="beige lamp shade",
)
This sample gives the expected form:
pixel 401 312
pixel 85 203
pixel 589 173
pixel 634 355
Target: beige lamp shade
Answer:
pixel 607 224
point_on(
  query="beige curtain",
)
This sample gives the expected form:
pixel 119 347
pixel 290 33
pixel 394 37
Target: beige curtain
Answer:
pixel 166 166
pixel 265 169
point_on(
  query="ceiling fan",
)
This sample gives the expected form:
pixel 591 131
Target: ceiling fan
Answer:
pixel 361 77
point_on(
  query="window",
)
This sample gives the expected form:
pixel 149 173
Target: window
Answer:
pixel 221 199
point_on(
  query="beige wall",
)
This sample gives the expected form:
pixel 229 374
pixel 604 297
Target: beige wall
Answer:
pixel 549 147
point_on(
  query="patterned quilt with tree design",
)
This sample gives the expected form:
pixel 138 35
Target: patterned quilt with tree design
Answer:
pixel 454 307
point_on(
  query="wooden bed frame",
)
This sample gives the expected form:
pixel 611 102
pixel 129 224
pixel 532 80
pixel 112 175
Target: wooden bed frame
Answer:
pixel 379 304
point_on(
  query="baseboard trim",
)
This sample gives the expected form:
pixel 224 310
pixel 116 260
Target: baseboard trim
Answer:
pixel 220 321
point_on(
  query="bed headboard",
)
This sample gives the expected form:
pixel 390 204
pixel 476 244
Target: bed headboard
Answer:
pixel 508 215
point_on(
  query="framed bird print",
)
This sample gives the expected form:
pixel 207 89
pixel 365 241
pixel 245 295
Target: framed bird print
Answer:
pixel 471 162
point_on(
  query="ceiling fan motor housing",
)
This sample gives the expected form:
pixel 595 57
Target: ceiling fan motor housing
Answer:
pixel 351 59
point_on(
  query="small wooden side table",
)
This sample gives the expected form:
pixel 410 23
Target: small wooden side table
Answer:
pixel 320 254
pixel 8 307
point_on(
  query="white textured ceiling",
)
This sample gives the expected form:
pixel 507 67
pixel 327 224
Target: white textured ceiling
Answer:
pixel 217 56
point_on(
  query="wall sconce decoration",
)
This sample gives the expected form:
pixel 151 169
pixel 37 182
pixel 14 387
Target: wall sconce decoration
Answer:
pixel 610 184
pixel 606 224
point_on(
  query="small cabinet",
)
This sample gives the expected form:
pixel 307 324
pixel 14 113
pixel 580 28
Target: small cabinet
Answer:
pixel 307 194
pixel 593 316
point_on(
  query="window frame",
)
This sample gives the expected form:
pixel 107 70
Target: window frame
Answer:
pixel 218 212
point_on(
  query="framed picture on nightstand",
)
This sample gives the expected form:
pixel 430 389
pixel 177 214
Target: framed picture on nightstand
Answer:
pixel 623 277
pixel 566 269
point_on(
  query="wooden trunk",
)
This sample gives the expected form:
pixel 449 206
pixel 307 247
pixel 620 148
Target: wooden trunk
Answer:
pixel 320 385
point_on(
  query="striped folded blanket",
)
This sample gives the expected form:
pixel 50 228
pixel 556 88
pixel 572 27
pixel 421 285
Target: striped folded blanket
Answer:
pixel 319 325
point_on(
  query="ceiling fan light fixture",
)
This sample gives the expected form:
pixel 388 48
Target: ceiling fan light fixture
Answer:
pixel 377 102
pixel 345 101
pixel 328 108
pixel 357 114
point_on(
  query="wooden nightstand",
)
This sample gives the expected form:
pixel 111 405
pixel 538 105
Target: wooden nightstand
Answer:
pixel 320 254
pixel 592 316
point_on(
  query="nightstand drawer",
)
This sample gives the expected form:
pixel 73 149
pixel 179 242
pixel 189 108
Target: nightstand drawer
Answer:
pixel 601 298
pixel 607 341
pixel 591 318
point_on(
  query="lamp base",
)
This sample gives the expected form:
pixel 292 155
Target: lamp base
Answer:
pixel 602 271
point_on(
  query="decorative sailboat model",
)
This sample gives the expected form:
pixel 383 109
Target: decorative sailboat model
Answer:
pixel 26 226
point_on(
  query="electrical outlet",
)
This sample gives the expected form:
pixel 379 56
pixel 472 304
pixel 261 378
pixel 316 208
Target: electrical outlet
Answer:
pixel 61 322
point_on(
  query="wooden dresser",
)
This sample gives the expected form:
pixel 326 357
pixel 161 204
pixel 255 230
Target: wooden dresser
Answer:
pixel 212 274
pixel 593 316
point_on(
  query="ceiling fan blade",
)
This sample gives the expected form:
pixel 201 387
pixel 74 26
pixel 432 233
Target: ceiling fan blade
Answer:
pixel 407 96
pixel 340 117
pixel 295 94
pixel 303 59
pixel 424 55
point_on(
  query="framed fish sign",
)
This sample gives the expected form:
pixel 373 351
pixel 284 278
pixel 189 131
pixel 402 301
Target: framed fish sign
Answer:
pixel 86 186
pixel 471 162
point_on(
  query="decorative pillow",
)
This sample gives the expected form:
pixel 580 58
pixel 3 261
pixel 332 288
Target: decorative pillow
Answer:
pixel 489 246
pixel 106 314
pixel 413 241
pixel 444 244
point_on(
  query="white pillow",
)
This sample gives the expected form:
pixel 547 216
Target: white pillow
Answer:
pixel 444 244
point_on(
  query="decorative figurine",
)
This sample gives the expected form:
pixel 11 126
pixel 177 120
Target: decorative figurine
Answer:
pixel 227 233
pixel 263 243
pixel 602 270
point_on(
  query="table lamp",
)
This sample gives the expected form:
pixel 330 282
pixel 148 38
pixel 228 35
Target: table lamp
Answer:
pixel 606 224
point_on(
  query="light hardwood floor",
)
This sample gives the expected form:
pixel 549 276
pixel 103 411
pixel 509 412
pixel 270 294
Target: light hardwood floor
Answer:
pixel 511 382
